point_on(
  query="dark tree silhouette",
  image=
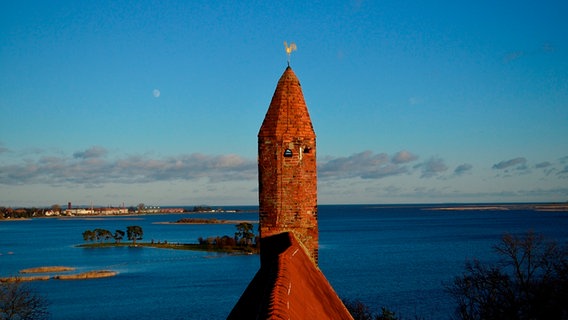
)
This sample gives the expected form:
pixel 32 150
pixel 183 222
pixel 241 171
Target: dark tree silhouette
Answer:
pixel 118 235
pixel 18 301
pixel 102 234
pixel 134 233
pixel 360 311
pixel 529 282
pixel 89 235
pixel 244 234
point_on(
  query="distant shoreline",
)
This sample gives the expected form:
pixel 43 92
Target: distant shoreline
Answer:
pixel 56 211
pixel 125 216
pixel 541 207
pixel 488 206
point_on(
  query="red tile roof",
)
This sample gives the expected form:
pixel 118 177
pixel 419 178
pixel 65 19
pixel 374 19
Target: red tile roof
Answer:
pixel 288 286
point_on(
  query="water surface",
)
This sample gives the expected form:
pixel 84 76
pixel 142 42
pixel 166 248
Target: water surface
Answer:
pixel 394 256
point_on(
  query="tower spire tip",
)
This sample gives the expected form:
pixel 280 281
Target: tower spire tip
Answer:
pixel 289 49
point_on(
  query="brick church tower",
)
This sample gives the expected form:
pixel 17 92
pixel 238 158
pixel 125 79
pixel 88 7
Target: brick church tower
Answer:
pixel 287 172
pixel 288 285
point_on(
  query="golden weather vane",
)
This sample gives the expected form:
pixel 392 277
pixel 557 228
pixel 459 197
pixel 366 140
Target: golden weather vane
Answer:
pixel 289 49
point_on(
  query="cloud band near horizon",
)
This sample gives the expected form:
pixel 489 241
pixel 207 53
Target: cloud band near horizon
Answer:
pixel 93 167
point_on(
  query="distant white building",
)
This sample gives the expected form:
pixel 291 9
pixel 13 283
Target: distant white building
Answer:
pixel 79 211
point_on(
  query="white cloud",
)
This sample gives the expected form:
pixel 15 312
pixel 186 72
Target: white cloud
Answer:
pixel 359 177
pixel 90 167
pixel 432 167
pixel 544 164
pixel 463 169
pixel 93 152
pixel 403 157
pixel 520 161
pixel 365 165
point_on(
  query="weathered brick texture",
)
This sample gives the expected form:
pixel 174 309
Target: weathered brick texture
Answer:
pixel 287 167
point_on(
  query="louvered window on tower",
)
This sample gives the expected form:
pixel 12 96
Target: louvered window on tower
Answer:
pixel 287 153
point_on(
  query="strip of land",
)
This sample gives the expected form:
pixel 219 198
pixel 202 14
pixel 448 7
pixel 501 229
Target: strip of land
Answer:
pixel 87 275
pixel 47 269
pixel 206 221
pixel 177 246
pixel 554 207
pixel 53 269
pixel 25 278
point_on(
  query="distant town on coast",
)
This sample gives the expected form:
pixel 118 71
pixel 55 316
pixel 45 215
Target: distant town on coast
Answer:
pixel 57 210
pixel 72 211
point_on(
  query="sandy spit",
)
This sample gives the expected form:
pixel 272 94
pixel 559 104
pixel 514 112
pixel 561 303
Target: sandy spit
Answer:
pixel 87 275
pixel 47 269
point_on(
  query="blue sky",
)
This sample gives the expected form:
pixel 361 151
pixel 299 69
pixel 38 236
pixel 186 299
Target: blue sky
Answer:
pixel 160 102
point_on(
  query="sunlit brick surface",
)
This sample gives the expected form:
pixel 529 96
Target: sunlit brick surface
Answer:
pixel 287 167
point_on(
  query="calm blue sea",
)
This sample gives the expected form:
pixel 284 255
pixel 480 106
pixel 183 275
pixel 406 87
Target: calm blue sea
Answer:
pixel 393 256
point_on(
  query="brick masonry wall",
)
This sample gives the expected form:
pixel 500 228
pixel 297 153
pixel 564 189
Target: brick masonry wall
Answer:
pixel 288 182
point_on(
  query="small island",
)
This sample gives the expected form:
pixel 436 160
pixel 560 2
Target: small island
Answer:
pixel 200 221
pixel 87 275
pixel 47 269
pixel 206 221
pixel 243 242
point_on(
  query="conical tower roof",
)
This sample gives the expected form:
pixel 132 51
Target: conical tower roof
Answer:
pixel 288 114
